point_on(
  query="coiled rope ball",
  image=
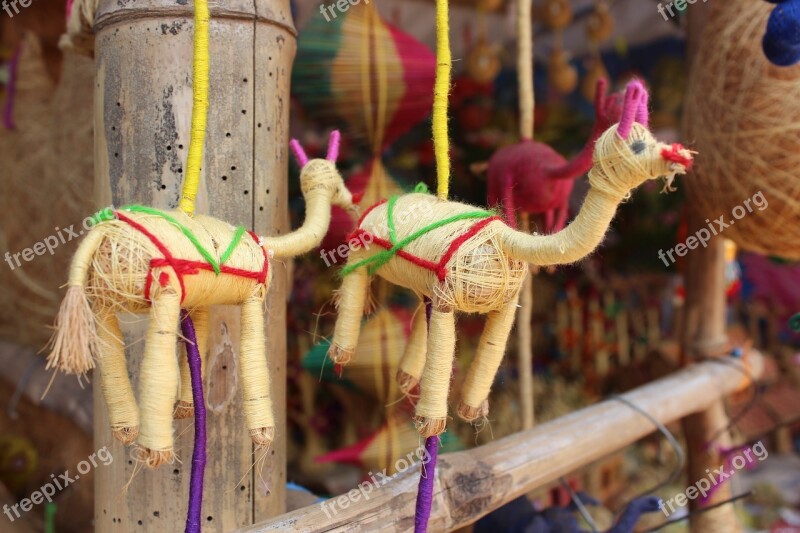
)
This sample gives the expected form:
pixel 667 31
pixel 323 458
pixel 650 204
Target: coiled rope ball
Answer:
pixel 743 116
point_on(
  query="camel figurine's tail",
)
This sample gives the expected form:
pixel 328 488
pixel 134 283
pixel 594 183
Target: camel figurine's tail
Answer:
pixel 74 344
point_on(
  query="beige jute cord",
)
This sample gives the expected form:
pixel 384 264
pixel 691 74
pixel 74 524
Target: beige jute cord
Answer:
pixel 616 171
pixel 525 340
pixel 123 413
pixel 435 383
pixel 483 369
pixel 525 68
pixel 350 304
pixel 159 377
pixel 413 361
pixel 254 372
pixel 321 185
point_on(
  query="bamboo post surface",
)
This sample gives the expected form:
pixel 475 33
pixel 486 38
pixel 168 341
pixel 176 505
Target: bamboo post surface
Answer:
pixel 472 483
pixel 703 335
pixel 143 101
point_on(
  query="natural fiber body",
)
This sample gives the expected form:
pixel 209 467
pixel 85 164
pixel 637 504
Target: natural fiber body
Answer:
pixel 145 260
pixel 128 264
pixel 466 260
pixel 479 277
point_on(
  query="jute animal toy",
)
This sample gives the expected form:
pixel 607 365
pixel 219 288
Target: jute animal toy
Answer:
pixel 531 177
pixel 467 259
pixel 146 260
pixel 142 259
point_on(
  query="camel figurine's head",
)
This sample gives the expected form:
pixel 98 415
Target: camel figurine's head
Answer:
pixel 627 154
pixel 322 174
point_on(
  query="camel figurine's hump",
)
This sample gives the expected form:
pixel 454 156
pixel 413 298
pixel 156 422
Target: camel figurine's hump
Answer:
pixel 207 260
pixel 456 255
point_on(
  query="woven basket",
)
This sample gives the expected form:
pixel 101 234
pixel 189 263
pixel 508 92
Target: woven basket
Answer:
pixel 743 117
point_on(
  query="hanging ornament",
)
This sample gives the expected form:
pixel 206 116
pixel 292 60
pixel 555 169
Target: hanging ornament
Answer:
pixel 557 15
pixel 599 29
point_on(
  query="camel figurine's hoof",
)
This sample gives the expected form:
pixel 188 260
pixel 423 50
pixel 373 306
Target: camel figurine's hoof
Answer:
pixel 470 414
pixel 183 410
pixel 406 382
pixel 340 356
pixel 154 458
pixel 428 427
pixel 126 435
pixel 262 437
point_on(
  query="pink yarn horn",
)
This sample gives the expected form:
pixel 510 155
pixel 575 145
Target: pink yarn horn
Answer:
pixel 299 153
pixel 333 146
pixel 642 113
pixel 630 108
pixel 600 93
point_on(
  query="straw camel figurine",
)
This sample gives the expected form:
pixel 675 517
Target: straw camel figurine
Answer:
pixel 142 259
pixel 465 259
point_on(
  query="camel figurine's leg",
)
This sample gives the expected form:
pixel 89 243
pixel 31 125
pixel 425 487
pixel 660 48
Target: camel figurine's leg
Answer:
pixel 480 376
pixel 254 371
pixel 352 301
pixel 413 361
pixel 185 406
pixel 123 414
pixel 434 385
pixel 159 377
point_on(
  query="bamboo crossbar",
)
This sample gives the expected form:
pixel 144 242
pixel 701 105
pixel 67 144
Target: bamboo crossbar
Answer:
pixel 470 484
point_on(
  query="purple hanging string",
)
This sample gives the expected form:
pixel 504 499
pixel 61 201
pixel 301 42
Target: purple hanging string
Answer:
pixel 427 476
pixel 425 492
pixel 194 513
pixel 11 90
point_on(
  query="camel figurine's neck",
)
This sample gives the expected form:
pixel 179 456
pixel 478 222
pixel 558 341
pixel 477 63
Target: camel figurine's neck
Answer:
pixel 581 163
pixel 571 244
pixel 310 234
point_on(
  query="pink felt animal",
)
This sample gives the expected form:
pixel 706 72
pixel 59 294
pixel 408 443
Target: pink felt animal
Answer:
pixel 532 177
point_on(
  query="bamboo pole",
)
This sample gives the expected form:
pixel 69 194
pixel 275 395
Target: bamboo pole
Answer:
pixel 704 335
pixel 472 483
pixel 143 101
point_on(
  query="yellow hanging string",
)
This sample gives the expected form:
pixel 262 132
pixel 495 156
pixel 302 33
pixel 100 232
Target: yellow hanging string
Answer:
pixel 441 91
pixel 199 108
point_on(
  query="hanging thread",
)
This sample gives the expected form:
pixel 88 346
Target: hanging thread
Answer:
pixel 194 513
pixel 441 91
pixel 199 108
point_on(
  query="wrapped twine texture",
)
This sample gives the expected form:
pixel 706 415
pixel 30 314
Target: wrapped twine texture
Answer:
pixel 743 116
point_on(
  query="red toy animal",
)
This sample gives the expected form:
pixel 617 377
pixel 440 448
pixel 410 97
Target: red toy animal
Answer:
pixel 533 178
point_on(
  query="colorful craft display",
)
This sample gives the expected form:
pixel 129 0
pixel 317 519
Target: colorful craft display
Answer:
pixel 741 111
pixel 467 259
pixel 557 15
pixel 376 359
pixel 396 439
pixel 360 69
pixel 599 29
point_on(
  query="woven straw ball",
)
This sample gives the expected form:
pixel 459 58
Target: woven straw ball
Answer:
pixel 743 117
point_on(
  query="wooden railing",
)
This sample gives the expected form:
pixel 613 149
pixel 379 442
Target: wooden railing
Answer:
pixel 470 484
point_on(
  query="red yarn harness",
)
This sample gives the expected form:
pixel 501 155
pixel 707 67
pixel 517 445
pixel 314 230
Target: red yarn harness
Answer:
pixel 186 267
